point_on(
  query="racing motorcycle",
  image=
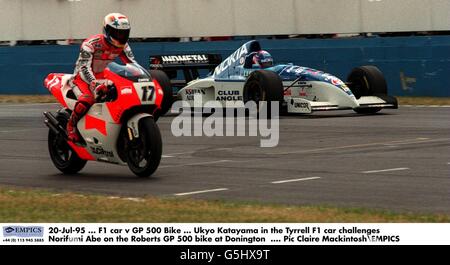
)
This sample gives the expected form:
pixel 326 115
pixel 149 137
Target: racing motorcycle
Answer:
pixel 120 128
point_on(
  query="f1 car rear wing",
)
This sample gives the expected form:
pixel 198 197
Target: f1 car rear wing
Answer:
pixel 189 64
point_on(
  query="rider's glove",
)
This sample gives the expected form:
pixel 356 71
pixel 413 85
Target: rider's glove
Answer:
pixel 100 90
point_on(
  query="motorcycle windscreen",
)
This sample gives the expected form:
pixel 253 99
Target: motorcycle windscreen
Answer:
pixel 133 72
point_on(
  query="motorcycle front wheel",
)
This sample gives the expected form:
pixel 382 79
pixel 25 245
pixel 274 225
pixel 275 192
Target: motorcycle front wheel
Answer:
pixel 144 153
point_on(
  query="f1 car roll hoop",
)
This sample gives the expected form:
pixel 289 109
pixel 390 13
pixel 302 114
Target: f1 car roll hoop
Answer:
pixel 303 90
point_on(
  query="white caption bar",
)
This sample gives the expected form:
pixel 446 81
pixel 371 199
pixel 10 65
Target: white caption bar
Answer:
pixel 225 234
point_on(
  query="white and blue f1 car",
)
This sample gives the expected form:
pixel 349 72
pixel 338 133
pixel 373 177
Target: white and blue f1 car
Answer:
pixel 299 89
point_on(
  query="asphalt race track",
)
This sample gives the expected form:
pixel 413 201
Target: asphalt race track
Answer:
pixel 397 160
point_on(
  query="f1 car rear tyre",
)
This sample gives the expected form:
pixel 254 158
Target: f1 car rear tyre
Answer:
pixel 367 81
pixel 62 155
pixel 164 81
pixel 144 153
pixel 264 86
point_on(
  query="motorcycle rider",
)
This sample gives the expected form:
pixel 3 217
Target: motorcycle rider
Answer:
pixel 260 59
pixel 96 53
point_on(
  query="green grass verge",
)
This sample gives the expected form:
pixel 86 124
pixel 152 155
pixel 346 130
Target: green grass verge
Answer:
pixel 51 99
pixel 29 205
pixel 423 101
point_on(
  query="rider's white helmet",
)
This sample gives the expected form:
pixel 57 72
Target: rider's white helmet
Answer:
pixel 116 28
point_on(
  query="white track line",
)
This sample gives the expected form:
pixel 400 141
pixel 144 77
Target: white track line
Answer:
pixel 200 191
pixel 197 164
pixel 183 153
pixel 293 180
pixel 22 130
pixel 191 152
pixel 27 104
pixel 406 141
pixel 385 170
pixel 426 106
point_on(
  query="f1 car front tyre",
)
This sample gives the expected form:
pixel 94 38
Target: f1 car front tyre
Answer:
pixel 164 81
pixel 62 155
pixel 144 153
pixel 263 87
pixel 367 81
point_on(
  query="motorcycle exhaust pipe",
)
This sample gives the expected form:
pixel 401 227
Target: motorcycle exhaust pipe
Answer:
pixel 53 124
pixel 52 119
pixel 51 127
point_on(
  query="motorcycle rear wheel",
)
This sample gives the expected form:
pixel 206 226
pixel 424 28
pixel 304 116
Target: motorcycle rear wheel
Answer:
pixel 62 155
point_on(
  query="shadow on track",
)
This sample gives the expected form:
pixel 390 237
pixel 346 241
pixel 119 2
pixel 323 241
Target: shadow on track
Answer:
pixel 105 177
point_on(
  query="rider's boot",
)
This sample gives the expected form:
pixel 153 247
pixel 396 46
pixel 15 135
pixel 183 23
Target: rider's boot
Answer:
pixel 81 107
pixel 72 131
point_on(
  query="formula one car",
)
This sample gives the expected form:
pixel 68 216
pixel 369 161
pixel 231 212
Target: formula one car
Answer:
pixel 298 89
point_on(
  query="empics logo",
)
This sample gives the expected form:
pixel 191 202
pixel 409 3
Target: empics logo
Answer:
pixel 23 231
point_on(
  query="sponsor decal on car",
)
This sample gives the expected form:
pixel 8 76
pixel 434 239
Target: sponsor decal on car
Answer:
pixel 303 93
pixel 336 82
pixel 300 105
pixel 230 60
pixel 304 85
pixel 346 90
pixel 314 72
pixel 191 92
pixel 192 58
pixel 288 92
pixel 229 95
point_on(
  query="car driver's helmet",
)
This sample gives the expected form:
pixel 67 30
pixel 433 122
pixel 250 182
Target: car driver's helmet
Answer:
pixel 116 28
pixel 263 59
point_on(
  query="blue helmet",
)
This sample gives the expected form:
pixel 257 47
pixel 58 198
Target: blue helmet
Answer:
pixel 263 59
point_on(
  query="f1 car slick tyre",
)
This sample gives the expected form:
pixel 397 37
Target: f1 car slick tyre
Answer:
pixel 264 86
pixel 367 81
pixel 62 155
pixel 164 81
pixel 144 153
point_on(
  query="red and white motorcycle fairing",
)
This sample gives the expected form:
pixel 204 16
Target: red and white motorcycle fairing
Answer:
pixel 102 126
